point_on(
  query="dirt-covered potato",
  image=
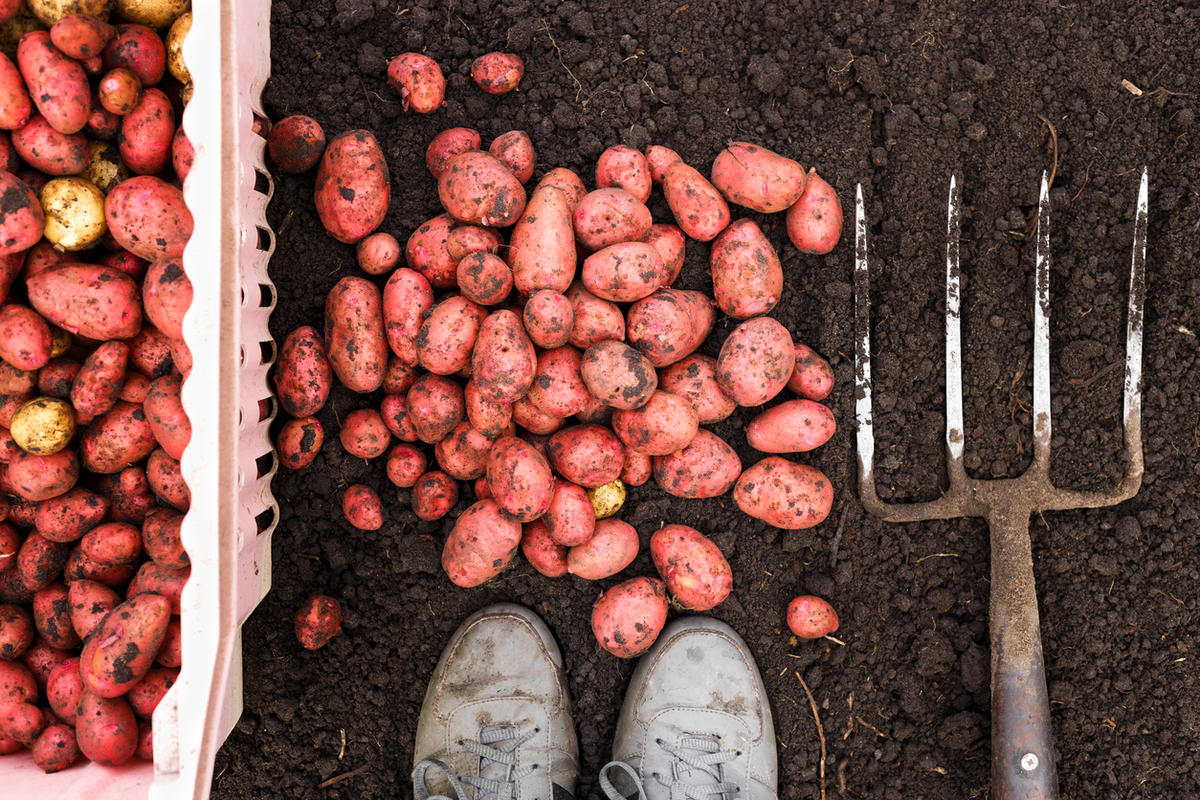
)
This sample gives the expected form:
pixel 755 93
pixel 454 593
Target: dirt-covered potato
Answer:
pixel 566 182
pixel 106 729
pixel 394 410
pixel 610 216
pixel 69 516
pixel 57 83
pixel 669 241
pixel 141 50
pixel 694 569
pixel 74 213
pixel 433 495
pixel 756 361
pixel 666 423
pixel 607 499
pixel 659 159
pixel 435 405
pixel 558 388
pixel 161 539
pixel 447 337
pixel 105 168
pixel 145 695
pixel 624 168
pixel 112 543
pixel 637 469
pixel 92 301
pixel 174 44
pixel 148 217
pixel 123 647
pixel 15 105
pixel 378 253
pixel 166 296
pixel 541 551
pixel 695 377
pixel 479 189
pixel 25 338
pixel 618 375
pixel 810 617
pixel 519 478
pixel 497 73
pixel 812 377
pixel 318 620
pixel 569 519
pixel 588 455
pixel 481 544
pixel 792 427
pixel 100 381
pixel 548 317
pixel 699 209
pixel 487 416
pixel 463 240
pixel 43 426
pixel 164 413
pixel 427 253
pixel 50 151
pixel 612 548
pixel 405 464
pixel 446 145
pixel 627 618
pixel 707 467
pixel 757 178
pixel 541 250
pixel 814 222
pixel 624 272
pixel 64 690
pixel 533 419
pixel 463 453
pixel 23 222
pixel 16 631
pixel 595 319
pixel 52 617
pixel 784 494
pixel 669 324
pixel 296 143
pixel 35 478
pixel 151 13
pixel 353 186
pixel 746 273
pixel 354 334
pixel 407 296
pixel 147 132
pixel 504 361
pixel 363 433
pixel 303 376
pixel 362 507
pixel 515 151
pixel 419 81
pixel 484 278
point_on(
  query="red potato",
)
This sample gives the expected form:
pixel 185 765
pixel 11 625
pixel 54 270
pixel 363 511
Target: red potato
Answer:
pixel 399 377
pixel 595 320
pixel 405 464
pixel 130 495
pixel 464 240
pixel 81 36
pixel 22 722
pixel 68 517
pixel 64 690
pixel 624 168
pixel 171 652
pixel 145 695
pixel 810 617
pixel 624 272
pixel 79 567
pixel 669 241
pixel 427 253
pixel 566 182
pixel 515 150
pixel 757 178
pixel 612 548
pixel 16 107
pixel 434 495
pixel 637 468
pixel 145 746
pixel 119 91
pixel 11 404
pixel 146 134
pixel 707 467
pixel 610 216
pixel 24 338
pixel 814 222
pixel 746 274
pixel 296 143
pixel 481 544
pixel 41 659
pixel 353 186
pixel 299 442
pixel 479 189
pixel 150 354
pixel 488 417
pixel 37 478
pixel 17 683
pixel 504 362
pixel 10 544
pixel 447 336
pixel 55 748
pixel 695 377
pixel 542 247
pixel 140 50
pixel 812 377
pixel 558 388
pixel 497 73
pixel 570 520
pixel 102 124
pixel 533 419
pixel 14 380
pixel 394 410
pixel 541 551
pixel 99 382
pixel 164 413
pixel 106 729
pixel 669 324
pixel 447 144
pixel 407 296
pixel 463 454
pixel 23 221
pixel 303 375
pixel 362 507
pixel 161 539
pixel 378 253
pixel 756 361
pixel 166 481
pixel 659 159
pixel 117 439
pixel 519 478
pixel 589 455
pixel 148 217
pixel 57 84
pixel 10 265
pixel 796 426
pixel 89 602
pixel 434 405
pixel 618 375
pixel 666 423
pixel 484 278
pixel 786 495
pixel 57 377
pixel 628 617
pixel 354 334
pixel 166 296
pixel 548 317
pixel 122 650
pixel 112 543
pixel 181 356
pixel 155 579
pixel 16 631
pixel 87 300
pixel 317 621
pixel 699 209
pixel 363 434
pixel 419 81
pixel 694 569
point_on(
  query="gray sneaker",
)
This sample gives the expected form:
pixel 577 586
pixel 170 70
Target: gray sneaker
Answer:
pixel 695 723
pixel 496 723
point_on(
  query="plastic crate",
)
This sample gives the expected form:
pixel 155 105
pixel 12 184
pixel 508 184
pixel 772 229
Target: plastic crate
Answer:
pixel 230 461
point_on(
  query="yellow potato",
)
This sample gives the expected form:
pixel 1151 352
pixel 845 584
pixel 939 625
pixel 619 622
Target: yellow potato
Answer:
pixel 175 63
pixel 106 169
pixel 43 426
pixel 51 11
pixel 12 31
pixel 151 13
pixel 74 210
pixel 60 342
pixel 607 499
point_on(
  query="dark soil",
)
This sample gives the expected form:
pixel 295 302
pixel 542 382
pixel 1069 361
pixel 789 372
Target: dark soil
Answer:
pixel 896 96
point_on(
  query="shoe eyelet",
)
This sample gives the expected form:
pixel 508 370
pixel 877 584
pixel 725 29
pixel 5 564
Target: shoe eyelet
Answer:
pixel 658 741
pixel 738 753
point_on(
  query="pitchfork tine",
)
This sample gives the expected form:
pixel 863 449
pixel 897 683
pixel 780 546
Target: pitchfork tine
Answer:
pixel 862 355
pixel 1041 336
pixel 954 411
pixel 1133 343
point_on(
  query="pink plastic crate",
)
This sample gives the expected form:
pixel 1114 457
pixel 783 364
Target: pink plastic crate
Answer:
pixel 230 461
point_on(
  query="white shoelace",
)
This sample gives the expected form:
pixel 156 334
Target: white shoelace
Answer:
pixel 697 753
pixel 489 750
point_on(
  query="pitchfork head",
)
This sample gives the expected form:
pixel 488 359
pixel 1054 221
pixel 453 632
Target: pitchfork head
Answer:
pixel 1033 489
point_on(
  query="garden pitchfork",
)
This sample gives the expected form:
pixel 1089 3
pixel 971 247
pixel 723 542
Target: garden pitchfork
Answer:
pixel 1022 755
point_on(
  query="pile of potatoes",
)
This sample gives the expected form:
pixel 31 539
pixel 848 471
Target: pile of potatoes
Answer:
pixel 92 359
pixel 554 360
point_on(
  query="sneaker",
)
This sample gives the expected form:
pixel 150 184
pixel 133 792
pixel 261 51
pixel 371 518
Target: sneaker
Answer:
pixel 496 723
pixel 695 723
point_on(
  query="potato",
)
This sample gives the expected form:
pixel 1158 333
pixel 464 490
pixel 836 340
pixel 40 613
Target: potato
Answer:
pixel 145 695
pixel 628 617
pixel 354 334
pixel 784 494
pixel 69 516
pixel 447 336
pixel 612 548
pixel 624 168
pixel 49 151
pixel 757 178
pixel 74 213
pixel 148 217
pixel 151 354
pixel 106 729
pixel 542 247
pixel 164 412
pixel 566 182
pixel 34 477
pixel 130 495
pixel 695 377
pixel 15 106
pixel 479 189
pixel 146 134
pixel 810 617
pixel 139 49
pixel 43 426
pixel 161 539
pixel 666 423
pixel 792 427
pixel 463 240
pixel 694 569
pixel 488 417
pixel 558 389
pixel 99 382
pixel 707 467
pixel 122 650
pixel 394 410
pixel 426 252
pixel 10 268
pixel 497 73
pixel 756 361
pixel 117 439
pixel 353 186
pixel 362 507
pixel 91 301
pixel 669 324
pixel 407 296
pixel 16 631
pixel 171 652
pixel 595 319
pixel 569 520
pixel 503 363
pixel 618 375
pixel 541 551
pixel 174 44
pixel 434 495
pixel 668 240
pixel 303 376
pixel 80 567
pixel 52 617
pixel 317 621
pixel 463 454
pixel 55 748
pixel 624 272
pixel 10 545
pixel 610 216
pixel 533 419
pixel 24 338
pixel 588 455
pixel 746 273
pixel 153 13
pixel 699 209
pixel 519 478
pixel 405 464
pixel 102 124
pixel 81 36
pixel 435 405
pixel 814 223
pixel 399 377
pixel 419 81
pixel 22 722
pixel 484 278
pixel 446 145
pixel 481 544
pixel 10 405
pixel 659 159
pixel 112 543
pixel 607 499
pixel 64 690
pixel 363 434
pixel 548 317
pixel 105 170
pixel 17 683
pixel 637 468
pixel 23 222
pixel 296 143
pixel 145 747
pixel 181 356
pixel 57 84
pixel 166 481
pixel 378 253
pixel 515 151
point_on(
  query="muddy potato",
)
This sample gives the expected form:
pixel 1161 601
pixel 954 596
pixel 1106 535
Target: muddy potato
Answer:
pixel 117 439
pixel 699 209
pixel 627 618
pixel 595 320
pixel 57 83
pixel 23 222
pixel 618 375
pixel 558 389
pixel 164 413
pixel 541 550
pixel 166 481
pixel 812 377
pixel 435 405
pixel 69 516
pixel 43 426
pixel 399 377
pixel 666 423
pixel 784 494
pixel 145 695
pixel 637 469
pixel 52 617
pixel 91 301
pixel 79 567
pixel 16 631
pixel 74 213
pixel 624 168
pixel 362 507
pixel 515 151
pixel 695 377
pixel 33 477
pixel 152 13
pixel 174 44
pixel 317 621
pixel 707 467
pixel 669 324
pixel 81 36
pixel 353 186
pixel 612 548
pixel 50 151
pixel 596 412
pixel 377 254
pixel 434 495
pixel 447 336
pixel 569 520
pixel 129 493
pixel 607 499
pixel 669 241
pixel 757 178
pixel 756 361
pixel 484 278
pixel 122 650
pixel 694 569
pixel 588 455
pixel 119 91
pixel 481 544
pixel 148 217
pixel 463 240
pixel 504 362
pixel 100 380
pixel 796 426
pixel 427 253
pixel 746 274
pixel 548 317
pixel 810 617
pixel 405 464
pixel 407 296
pixel 147 132
pixel 394 410
pixel 463 453
pixel 814 222
pixel 64 690
pixel 541 250
pixel 497 73
pixel 22 722
pixel 156 579
pixel 15 105
pixel 303 375
pixel 479 189
pixel 533 419
pixel 610 216
pixel 112 543
pixel 659 159
pixel 354 334
pixel 299 442
pixel 161 539
pixel 106 729
pixel 566 182
pixel 447 144
pixel 363 433
pixel 488 417
pixel 419 81
pixel 624 272
pixel 105 168
pixel 296 143
pixel 519 479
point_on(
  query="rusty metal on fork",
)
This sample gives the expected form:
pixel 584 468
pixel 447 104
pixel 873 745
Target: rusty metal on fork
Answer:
pixel 1023 765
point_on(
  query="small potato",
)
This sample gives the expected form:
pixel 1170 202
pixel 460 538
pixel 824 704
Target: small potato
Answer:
pixel 164 413
pixel 303 376
pixel 296 143
pixel 618 375
pixel 74 212
pixel 624 168
pixel 624 272
pixel 122 650
pixel 148 217
pixel 479 189
pixel 16 631
pixel 693 567
pixel 22 722
pixel 354 334
pixel 102 124
pixel 105 170
pixel 699 209
pixel 541 551
pixel 548 317
pixel 746 274
pixel 446 145
pixel 504 362
pixel 757 178
pixel 81 36
pixel 80 567
pixel 756 361
pixel 796 426
pixel 145 695
pixel 69 516
pixel 666 423
pixel 669 324
pixel 435 405
pixel 34 477
pixel 566 182
pixel 112 543
pixel 51 151
pixel 299 442
pixel 447 337
pixel 463 454
pixel 17 683
pixel 488 417
pixel 407 296
pixel 786 495
pixel 481 544
pixel 558 388
pixel 611 549
pixel 57 84
pixel 405 464
pixel 426 251
pixel 155 579
pixel 15 105
pixel 174 43
pixel 52 617
pixel 434 495
pixel 183 155
pixel 484 278
pixel 377 254
pixel 43 426
pixel 637 468
pixel 669 241
pixel 130 495
pixel 515 151
pixel 707 467
pixel 497 73
pixel 362 507
pixel 607 499
pixel 166 295
pixel 588 455
pixel 139 49
pixel 146 133
pixel 151 354
pixel 353 186
pixel 814 223
pixel 98 383
pixel 519 478
pixel 317 621
pixel 419 81
pixel 153 13
pixel 363 434
pixel 394 410
pixel 595 320
pixel 64 690
pixel 610 216
pixel 533 419
pixel 115 440
pixel 91 301
pixel 569 520
pixel 166 481
pixel 23 222
pixel 627 618
pixel 464 240
pixel 106 729
pixel 695 377
pixel 542 247
pixel 659 159
pixel 810 617
pixel 399 377
pixel 161 539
